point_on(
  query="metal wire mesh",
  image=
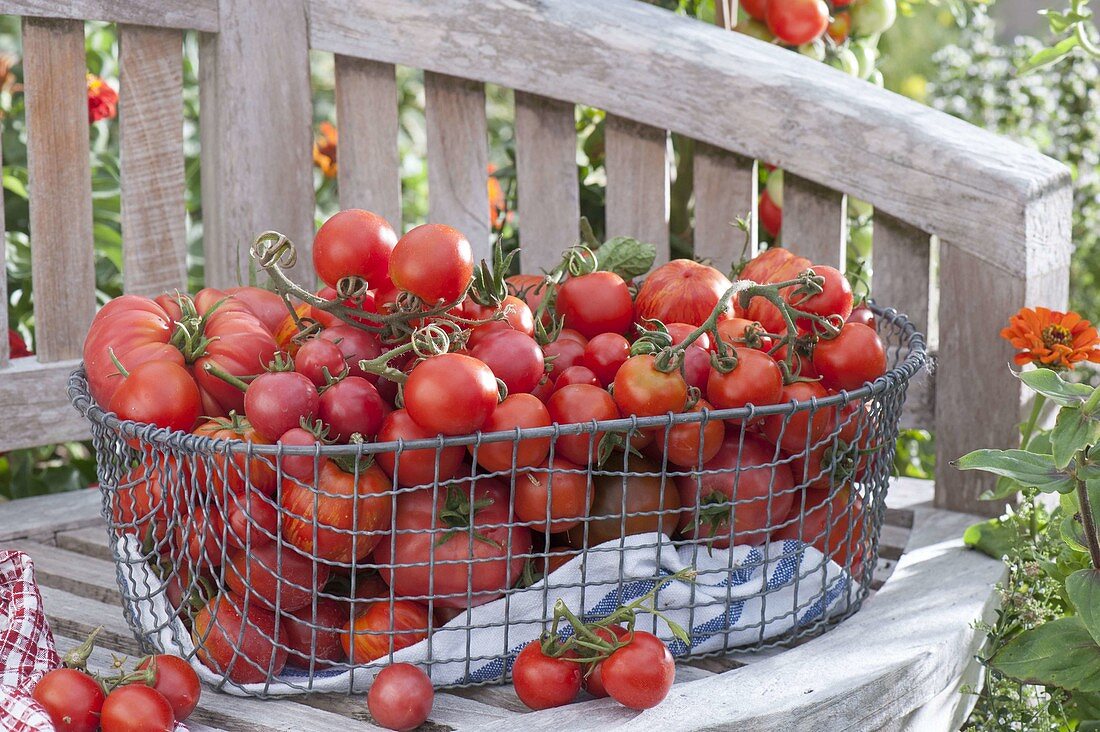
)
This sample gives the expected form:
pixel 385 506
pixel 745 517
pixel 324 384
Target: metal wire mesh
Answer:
pixel 294 565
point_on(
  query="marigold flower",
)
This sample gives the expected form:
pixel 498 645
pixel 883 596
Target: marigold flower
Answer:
pixel 324 150
pixel 102 100
pixel 1051 339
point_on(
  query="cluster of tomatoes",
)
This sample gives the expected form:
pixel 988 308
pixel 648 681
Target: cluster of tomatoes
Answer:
pixel 409 340
pixel 159 692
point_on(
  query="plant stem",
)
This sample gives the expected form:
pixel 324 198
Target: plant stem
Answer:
pixel 1025 438
pixel 1087 520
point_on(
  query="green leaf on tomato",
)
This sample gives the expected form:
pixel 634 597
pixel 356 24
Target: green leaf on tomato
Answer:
pixel 1059 653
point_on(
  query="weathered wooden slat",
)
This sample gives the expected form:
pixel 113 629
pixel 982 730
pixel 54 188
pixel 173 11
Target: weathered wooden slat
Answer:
pixel 199 15
pixel 43 516
pixel 814 221
pixel 154 226
pixel 448 710
pixel 637 182
pixel 90 541
pixel 255 116
pixel 546 179
pixel 725 190
pixel 502 696
pixel 62 259
pixel 36 405
pixel 458 157
pixel 901 257
pixel 64 570
pixel 368 167
pixel 638 61
pixel 77 616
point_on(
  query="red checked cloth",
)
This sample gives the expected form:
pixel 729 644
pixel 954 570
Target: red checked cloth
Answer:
pixel 26 645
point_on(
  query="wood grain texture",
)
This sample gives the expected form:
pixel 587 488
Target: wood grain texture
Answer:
pixel 154 224
pixel 644 63
pixel 88 577
pixel 36 406
pixel 199 15
pixel 60 184
pixel 77 616
pixel 255 119
pixel 901 258
pixel 458 157
pixel 368 167
pixel 725 190
pixel 41 517
pixel 90 541
pixel 814 221
pixel 546 180
pixel 637 182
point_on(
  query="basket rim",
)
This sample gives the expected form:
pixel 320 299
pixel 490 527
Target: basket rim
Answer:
pixel 898 376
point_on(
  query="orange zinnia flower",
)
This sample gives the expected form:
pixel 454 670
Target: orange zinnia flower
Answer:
pixel 102 100
pixel 498 204
pixel 1051 339
pixel 324 150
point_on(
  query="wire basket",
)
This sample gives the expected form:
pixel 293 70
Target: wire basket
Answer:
pixel 272 584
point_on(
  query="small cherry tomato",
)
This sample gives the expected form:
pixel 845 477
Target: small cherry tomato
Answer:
pixel 755 380
pixel 514 357
pixel 353 242
pixel 136 708
pixel 279 401
pixel 177 681
pixel 640 674
pixel 850 360
pixel 596 303
pixel 451 394
pixel 401 697
pixel 604 354
pixel 643 389
pixel 518 410
pixel 542 681
pixel 317 356
pixel 580 403
pixel 433 262
pixel 352 406
pixel 72 698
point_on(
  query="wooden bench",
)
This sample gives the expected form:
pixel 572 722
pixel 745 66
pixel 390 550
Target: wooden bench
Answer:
pixel 898 663
pixel 963 218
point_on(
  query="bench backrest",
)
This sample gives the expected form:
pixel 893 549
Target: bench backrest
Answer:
pixel 996 214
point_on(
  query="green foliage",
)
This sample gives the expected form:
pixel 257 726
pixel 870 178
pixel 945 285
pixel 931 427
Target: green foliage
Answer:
pixel 1053 109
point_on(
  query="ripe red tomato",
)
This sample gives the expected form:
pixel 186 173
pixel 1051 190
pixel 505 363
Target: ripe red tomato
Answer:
pixel 356 345
pixel 368 638
pixel 795 431
pixel 518 410
pixel 415 467
pixel 301 467
pixel 136 708
pixel 642 389
pixel 576 375
pixel 197 539
pixel 161 393
pixel 316 636
pixel 680 332
pixel 251 519
pixel 756 380
pixel 832 525
pixel 797 21
pixel 352 406
pixel 353 242
pixel 488 562
pixel 595 303
pixel 770 215
pixel 401 697
pixel 569 334
pixel 733 332
pixel 367 302
pixel 553 500
pixel 278 401
pixel 517 316
pixel 604 354
pixel 139 505
pixel 562 354
pixel 640 674
pixel 344 518
pixel 755 8
pixel 681 291
pixel 514 357
pixel 644 494
pixel 317 356
pixel 451 394
pixel 433 262
pixel 177 682
pixel 696 367
pixel 266 305
pixel 542 681
pixel 688 445
pixel 744 481
pixel 241 648
pixel 593 677
pixel 234 471
pixel 863 315
pixel 580 403
pixel 275 575
pixel 834 299
pixel 850 360
pixel 72 699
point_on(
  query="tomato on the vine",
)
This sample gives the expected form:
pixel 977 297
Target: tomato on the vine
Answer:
pixel 514 357
pixel 72 698
pixel 352 406
pixel 522 411
pixel 356 345
pixel 542 681
pixel 278 401
pixel 416 467
pixel 451 394
pixel 756 380
pixel 834 299
pixel 581 403
pixel 353 243
pixel 604 354
pixel 640 674
pixel 797 21
pixel 136 708
pixel 643 389
pixel 177 681
pixel 401 697
pixel 595 303
pixel 433 262
pixel 851 359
